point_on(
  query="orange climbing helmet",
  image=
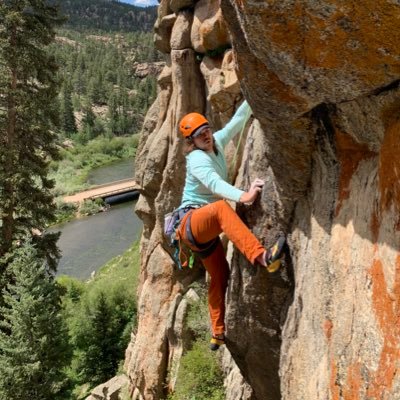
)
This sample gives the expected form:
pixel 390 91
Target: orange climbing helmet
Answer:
pixel 191 123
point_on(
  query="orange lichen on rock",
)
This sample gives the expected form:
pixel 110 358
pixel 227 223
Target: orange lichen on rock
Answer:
pixel 362 36
pixel 350 154
pixel 386 305
pixel 389 168
pixel 352 387
pixel 284 29
pixel 327 327
pixel 351 390
pixel 379 383
pixel 335 390
pixel 270 83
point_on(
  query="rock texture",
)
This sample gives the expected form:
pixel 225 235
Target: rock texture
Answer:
pixel 322 78
pixel 110 390
pixel 142 70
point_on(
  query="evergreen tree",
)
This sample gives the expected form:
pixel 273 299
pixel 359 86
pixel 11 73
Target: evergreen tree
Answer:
pixel 97 341
pixel 68 124
pixel 33 339
pixel 28 114
pixel 109 15
pixel 88 115
pixel 113 114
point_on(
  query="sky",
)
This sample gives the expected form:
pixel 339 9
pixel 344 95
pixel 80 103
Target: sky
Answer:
pixel 141 3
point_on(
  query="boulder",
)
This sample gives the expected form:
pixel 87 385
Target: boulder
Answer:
pixel 142 70
pixel 208 29
pixel 109 390
pixel 162 33
pixel 180 36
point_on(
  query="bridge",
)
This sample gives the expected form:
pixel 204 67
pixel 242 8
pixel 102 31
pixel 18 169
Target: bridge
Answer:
pixel 123 186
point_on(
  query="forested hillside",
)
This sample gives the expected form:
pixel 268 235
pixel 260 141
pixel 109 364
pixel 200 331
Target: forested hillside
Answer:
pixel 108 16
pixel 100 93
pixel 69 100
pixel 101 96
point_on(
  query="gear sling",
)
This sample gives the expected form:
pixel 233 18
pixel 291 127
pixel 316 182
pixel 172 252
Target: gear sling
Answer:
pixel 171 225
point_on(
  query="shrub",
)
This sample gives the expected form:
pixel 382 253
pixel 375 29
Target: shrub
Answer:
pixel 65 211
pixel 199 374
pixel 89 207
pixel 199 377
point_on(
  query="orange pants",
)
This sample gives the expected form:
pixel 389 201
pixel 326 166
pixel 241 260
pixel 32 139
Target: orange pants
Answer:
pixel 207 223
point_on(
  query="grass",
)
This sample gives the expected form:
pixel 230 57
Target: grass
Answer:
pixel 71 172
pixel 199 375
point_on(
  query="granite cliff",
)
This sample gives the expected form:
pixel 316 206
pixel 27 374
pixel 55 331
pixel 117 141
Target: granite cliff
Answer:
pixel 322 78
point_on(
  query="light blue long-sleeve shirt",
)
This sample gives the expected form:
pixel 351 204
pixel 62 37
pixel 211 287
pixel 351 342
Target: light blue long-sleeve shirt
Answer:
pixel 206 173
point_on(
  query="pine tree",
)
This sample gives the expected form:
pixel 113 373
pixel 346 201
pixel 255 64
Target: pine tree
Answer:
pixel 68 124
pixel 33 339
pixel 97 341
pixel 88 117
pixel 113 114
pixel 28 114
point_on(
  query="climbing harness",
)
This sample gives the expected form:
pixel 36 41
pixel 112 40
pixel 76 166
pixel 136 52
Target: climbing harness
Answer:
pixel 171 225
pixel 172 221
pixel 202 249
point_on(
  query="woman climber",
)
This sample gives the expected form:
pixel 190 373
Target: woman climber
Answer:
pixel 205 214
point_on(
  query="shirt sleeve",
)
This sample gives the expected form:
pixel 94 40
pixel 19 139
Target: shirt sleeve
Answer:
pixel 234 126
pixel 202 169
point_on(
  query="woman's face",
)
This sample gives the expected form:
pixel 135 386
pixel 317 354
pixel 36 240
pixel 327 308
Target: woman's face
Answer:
pixel 205 140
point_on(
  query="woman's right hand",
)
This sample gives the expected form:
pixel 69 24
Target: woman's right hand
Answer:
pixel 251 195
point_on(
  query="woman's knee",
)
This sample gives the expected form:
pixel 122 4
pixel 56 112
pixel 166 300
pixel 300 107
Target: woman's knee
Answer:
pixel 223 207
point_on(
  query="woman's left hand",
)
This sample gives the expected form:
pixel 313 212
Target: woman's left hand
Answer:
pixel 251 195
pixel 256 183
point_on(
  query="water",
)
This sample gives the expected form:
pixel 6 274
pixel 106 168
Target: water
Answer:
pixel 112 172
pixel 90 242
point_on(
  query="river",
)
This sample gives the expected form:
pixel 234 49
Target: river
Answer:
pixel 88 243
pixel 112 172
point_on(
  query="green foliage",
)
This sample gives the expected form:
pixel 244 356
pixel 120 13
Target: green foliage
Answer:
pixel 28 118
pixel 99 82
pixel 109 15
pixel 97 338
pixel 199 377
pixel 70 174
pixel 33 338
pixel 90 207
pixel 67 118
pixel 198 316
pixel 100 315
pixel 65 211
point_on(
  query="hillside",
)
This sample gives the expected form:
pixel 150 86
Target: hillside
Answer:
pixel 108 81
pixel 108 16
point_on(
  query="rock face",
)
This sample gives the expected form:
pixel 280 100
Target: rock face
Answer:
pixel 322 79
pixel 110 390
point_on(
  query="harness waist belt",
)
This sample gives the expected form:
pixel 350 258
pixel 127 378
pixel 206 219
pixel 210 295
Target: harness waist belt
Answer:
pixel 202 249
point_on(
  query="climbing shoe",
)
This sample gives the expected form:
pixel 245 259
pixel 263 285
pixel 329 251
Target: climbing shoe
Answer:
pixel 216 342
pixel 274 255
